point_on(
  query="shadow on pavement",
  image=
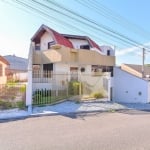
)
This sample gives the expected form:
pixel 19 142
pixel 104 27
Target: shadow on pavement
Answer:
pixel 83 115
pixel 135 112
pixel 12 119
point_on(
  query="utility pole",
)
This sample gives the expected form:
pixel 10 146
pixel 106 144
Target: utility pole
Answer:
pixel 143 58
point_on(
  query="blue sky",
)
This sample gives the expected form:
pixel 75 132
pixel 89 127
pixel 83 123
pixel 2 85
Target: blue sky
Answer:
pixel 18 26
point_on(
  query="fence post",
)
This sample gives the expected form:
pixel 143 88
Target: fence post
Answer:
pixel 29 92
pixel 109 88
pixel 29 84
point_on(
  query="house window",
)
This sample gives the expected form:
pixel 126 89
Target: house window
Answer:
pixel 36 71
pixel 1 70
pixel 6 71
pixel 37 47
pixel 50 44
pixel 82 69
pixel 47 69
pixel 108 52
pixel 84 47
pixel 74 73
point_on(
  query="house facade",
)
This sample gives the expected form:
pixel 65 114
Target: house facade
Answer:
pixel 4 64
pixel 17 68
pixel 71 56
pixel 129 86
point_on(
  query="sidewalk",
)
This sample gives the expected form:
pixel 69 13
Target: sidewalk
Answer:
pixel 69 107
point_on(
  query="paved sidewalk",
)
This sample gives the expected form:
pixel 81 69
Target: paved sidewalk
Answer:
pixel 72 107
pixel 13 114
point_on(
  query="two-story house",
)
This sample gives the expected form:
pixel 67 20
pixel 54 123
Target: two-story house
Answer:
pixel 61 58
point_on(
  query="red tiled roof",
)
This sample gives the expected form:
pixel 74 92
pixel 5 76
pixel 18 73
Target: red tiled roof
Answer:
pixel 61 40
pixel 93 44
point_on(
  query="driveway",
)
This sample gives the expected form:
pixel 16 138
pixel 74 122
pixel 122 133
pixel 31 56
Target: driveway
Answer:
pixel 71 107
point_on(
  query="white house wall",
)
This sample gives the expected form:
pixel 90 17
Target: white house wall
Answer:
pixel 129 88
pixel 148 90
pixel 77 43
pixel 20 76
pixel 46 37
pixel 106 48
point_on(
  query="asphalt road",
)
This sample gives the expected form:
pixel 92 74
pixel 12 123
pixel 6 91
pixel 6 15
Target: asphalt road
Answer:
pixel 103 131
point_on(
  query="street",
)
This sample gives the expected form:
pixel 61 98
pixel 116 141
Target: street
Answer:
pixel 128 130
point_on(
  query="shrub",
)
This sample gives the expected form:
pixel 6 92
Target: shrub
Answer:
pixel 5 104
pixel 74 88
pixel 22 89
pixel 97 95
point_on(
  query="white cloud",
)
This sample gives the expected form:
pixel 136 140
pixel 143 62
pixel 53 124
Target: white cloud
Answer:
pixel 130 50
pixel 126 51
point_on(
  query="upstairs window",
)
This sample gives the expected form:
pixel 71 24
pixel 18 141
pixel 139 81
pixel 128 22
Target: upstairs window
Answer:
pixel 84 47
pixel 37 47
pixel 108 52
pixel 50 44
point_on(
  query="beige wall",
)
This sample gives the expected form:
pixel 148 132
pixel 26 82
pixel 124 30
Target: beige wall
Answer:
pixel 130 70
pixel 3 78
pixel 72 56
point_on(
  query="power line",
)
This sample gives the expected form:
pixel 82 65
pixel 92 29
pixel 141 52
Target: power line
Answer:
pixel 111 15
pixel 29 6
pixel 111 32
pixel 52 17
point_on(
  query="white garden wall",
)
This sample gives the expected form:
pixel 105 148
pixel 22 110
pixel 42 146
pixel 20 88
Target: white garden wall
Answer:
pixel 129 88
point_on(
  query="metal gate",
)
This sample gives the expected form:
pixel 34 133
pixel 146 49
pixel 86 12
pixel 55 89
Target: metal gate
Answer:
pixel 51 88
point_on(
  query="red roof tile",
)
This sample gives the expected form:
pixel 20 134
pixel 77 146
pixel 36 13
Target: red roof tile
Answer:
pixel 93 44
pixel 61 40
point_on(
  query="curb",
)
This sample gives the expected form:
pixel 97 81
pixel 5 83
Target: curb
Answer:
pixel 71 114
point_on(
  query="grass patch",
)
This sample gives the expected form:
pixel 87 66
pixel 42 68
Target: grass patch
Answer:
pixel 9 105
pixel 5 105
pixel 20 104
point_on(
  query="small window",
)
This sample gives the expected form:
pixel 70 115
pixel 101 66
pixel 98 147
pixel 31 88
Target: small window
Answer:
pixel 1 70
pixel 82 69
pixel 108 52
pixel 84 47
pixel 37 47
pixel 50 44
pixel 36 71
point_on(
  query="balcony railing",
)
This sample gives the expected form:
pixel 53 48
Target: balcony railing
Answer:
pixel 42 76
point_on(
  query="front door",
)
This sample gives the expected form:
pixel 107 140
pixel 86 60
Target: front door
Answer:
pixel 74 73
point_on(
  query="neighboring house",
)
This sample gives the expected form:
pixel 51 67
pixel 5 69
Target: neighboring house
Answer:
pixel 17 69
pixel 129 86
pixel 60 58
pixel 4 64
